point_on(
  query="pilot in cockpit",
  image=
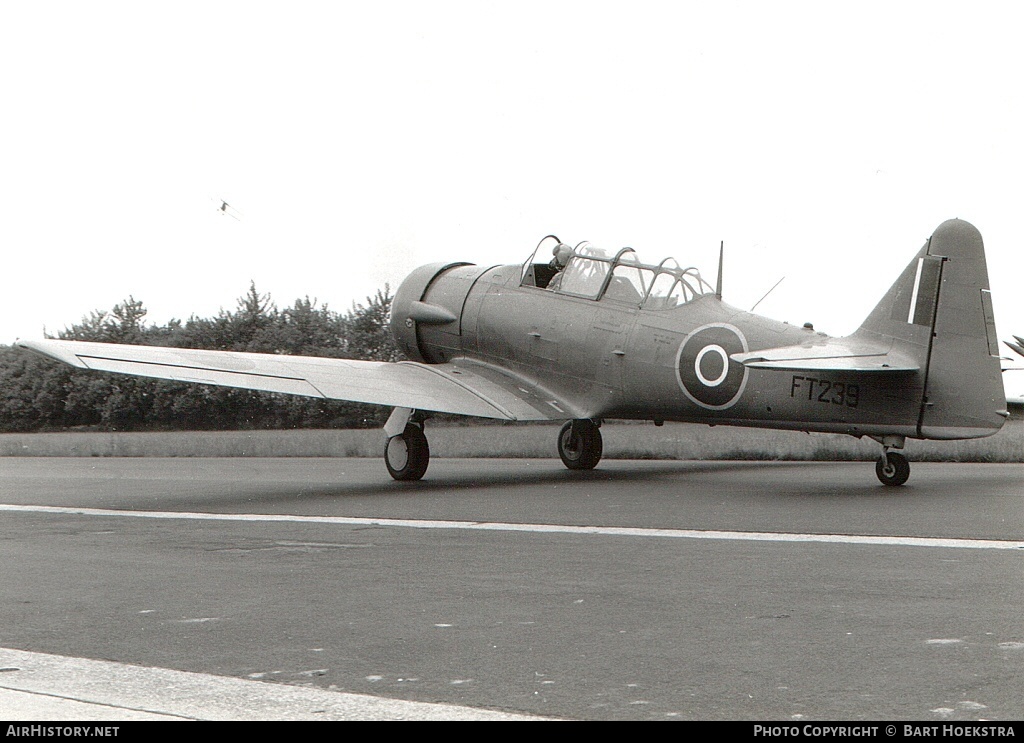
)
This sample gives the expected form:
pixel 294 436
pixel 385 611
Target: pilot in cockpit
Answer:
pixel 562 253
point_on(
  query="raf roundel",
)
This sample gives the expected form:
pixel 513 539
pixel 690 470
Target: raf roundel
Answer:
pixel 705 373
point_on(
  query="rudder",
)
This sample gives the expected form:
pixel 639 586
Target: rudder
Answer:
pixel 939 312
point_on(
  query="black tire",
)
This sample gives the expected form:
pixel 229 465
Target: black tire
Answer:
pixel 407 455
pixel 580 446
pixel 892 469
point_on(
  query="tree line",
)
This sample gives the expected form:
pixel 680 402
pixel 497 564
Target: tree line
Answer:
pixel 40 394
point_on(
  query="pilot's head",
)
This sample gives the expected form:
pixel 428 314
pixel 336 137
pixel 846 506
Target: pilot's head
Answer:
pixel 562 253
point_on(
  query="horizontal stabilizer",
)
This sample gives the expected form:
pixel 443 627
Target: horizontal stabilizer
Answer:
pixel 837 355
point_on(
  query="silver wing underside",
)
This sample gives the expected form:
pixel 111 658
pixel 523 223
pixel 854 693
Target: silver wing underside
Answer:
pixel 460 387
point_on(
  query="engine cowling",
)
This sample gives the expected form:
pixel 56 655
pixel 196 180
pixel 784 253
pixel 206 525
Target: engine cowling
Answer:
pixel 426 313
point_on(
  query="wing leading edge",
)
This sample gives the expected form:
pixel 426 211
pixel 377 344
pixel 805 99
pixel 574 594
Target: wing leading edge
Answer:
pixel 459 388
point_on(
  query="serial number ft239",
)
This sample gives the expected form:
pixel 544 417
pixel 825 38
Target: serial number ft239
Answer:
pixel 826 391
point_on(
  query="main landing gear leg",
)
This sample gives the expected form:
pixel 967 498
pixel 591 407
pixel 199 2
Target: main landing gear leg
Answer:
pixel 406 452
pixel 892 467
pixel 579 444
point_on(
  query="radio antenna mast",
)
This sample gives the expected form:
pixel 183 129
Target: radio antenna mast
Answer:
pixel 766 294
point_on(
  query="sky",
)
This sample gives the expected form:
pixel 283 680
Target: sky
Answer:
pixel 355 141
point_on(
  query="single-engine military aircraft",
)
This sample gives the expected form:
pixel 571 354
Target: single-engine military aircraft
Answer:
pixel 594 336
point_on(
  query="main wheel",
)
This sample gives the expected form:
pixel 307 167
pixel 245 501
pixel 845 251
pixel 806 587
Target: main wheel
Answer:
pixel 892 469
pixel 579 445
pixel 407 454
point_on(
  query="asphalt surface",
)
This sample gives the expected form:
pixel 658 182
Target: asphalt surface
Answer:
pixel 320 589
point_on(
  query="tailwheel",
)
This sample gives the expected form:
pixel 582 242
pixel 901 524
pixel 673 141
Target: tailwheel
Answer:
pixel 579 444
pixel 407 454
pixel 892 468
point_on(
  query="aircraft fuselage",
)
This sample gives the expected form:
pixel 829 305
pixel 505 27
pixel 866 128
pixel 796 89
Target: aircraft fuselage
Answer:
pixel 617 360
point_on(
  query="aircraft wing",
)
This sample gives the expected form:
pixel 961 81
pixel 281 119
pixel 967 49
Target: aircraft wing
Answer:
pixel 835 354
pixel 460 388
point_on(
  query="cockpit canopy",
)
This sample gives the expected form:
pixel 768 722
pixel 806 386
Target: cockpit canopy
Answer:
pixel 593 273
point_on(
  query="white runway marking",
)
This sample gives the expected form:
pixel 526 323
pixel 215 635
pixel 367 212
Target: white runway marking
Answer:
pixel 40 686
pixel 615 531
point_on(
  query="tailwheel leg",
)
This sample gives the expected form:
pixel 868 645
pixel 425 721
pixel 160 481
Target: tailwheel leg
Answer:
pixel 579 444
pixel 892 467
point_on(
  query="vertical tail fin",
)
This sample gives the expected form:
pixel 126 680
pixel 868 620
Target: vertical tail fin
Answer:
pixel 939 312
